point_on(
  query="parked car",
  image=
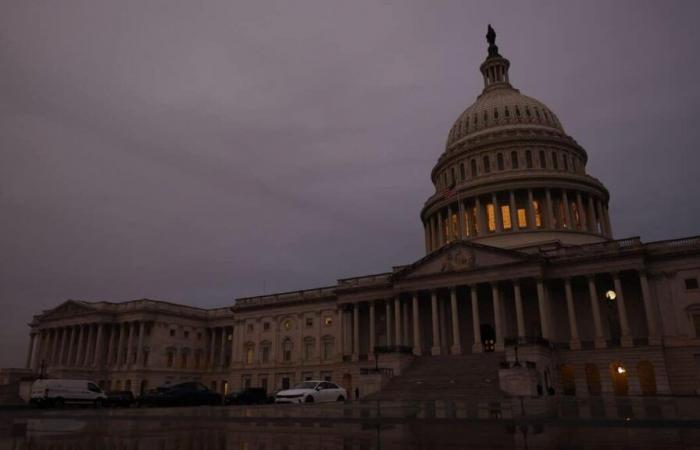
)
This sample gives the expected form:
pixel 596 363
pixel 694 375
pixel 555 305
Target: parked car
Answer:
pixel 312 392
pixel 247 396
pixel 60 392
pixel 120 398
pixel 190 394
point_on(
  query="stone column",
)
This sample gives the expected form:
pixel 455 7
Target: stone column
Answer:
pixel 550 210
pixel 482 229
pixel 416 326
pixel 372 331
pixel 98 346
pixel 65 343
pixel 121 344
pixel 581 213
pixel 71 345
pixel 387 304
pixel 595 308
pixel 85 361
pixel 532 223
pixel 224 339
pixel 397 320
pixel 477 347
pixel 498 315
pixel 341 333
pixel 567 210
pixel 110 346
pixel 513 212
pixel 129 345
pixel 575 342
pixel 606 217
pixel 139 346
pixel 82 345
pixel 456 338
pixel 212 347
pixel 519 314
pixel 460 222
pixel 497 213
pixel 356 332
pixel 592 227
pixel 405 326
pixel 626 339
pixel 441 230
pixel 236 342
pixel 435 350
pixel 654 338
pixel 544 322
pixel 30 351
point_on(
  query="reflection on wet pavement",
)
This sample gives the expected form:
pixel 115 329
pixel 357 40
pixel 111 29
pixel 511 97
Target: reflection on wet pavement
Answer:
pixel 532 424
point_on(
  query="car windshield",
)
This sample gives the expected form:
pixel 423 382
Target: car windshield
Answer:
pixel 306 385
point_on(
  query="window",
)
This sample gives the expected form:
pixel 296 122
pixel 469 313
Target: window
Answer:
pixel 145 358
pixel 473 167
pixel 266 326
pixel 171 356
pixel 287 324
pixel 183 361
pixel 308 349
pixel 309 322
pixel 505 217
pixel 328 321
pixel 487 164
pixel 576 213
pixel 93 388
pixel 555 161
pixel 495 113
pixel 452 176
pixel 538 213
pixel 327 349
pixel 250 328
pixel 287 350
pixel 507 112
pixel 522 218
pixel 197 360
pixel 528 159
pixel 229 337
pixel 691 284
pixel 514 159
pixel 543 162
pixel 249 353
pixel 696 324
pixel 172 332
pixel 265 352
pixel 491 217
pixel 462 173
pixel 499 161
pixel 187 334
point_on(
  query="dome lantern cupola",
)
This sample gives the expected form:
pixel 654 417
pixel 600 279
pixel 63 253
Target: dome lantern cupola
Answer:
pixel 510 176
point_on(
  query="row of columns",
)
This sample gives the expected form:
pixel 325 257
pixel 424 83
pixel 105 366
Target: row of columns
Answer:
pixel 223 356
pixel 399 326
pixel 593 216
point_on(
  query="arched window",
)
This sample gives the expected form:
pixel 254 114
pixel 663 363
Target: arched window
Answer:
pixel 499 161
pixel 462 172
pixel 528 159
pixel 619 378
pixel 309 347
pixel 487 164
pixel 555 161
pixel 593 379
pixel 265 351
pixel 507 112
pixel 495 114
pixel 327 348
pixel 473 167
pixel 287 350
pixel 568 380
pixel 543 161
pixel 514 159
pixel 647 378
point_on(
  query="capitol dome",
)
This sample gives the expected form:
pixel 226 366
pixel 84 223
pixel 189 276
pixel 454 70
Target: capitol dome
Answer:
pixel 510 176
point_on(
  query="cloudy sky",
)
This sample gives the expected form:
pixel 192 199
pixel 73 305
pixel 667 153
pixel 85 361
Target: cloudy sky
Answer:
pixel 199 151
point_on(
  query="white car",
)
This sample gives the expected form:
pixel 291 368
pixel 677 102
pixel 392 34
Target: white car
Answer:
pixel 312 392
pixel 60 392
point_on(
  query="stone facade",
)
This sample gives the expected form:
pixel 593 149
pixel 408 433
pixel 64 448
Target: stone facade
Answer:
pixel 520 258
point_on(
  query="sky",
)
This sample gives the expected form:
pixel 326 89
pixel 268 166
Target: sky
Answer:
pixel 198 152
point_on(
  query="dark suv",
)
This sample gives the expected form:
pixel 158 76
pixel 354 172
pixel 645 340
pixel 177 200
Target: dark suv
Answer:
pixel 247 396
pixel 190 394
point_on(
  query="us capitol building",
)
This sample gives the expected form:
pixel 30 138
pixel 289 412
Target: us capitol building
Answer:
pixel 521 270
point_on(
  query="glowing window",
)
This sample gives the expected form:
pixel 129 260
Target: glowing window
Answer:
pixel 522 218
pixel 467 227
pixel 577 214
pixel 505 217
pixel 287 324
pixel 491 217
pixel 538 213
pixel 249 354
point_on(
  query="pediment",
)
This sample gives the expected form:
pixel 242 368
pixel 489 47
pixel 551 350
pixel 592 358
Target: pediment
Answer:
pixel 461 256
pixel 66 309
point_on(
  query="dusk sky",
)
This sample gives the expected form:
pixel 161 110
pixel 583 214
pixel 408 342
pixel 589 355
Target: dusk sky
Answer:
pixel 200 151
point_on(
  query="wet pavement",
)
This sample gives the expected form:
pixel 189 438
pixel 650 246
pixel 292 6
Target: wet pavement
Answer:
pixel 639 423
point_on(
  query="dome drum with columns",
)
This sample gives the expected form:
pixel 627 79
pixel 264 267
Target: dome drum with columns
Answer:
pixel 510 176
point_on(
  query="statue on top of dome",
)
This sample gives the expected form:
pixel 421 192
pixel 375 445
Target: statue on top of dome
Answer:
pixel 491 39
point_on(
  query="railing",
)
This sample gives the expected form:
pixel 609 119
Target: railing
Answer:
pixel 591 249
pixel 306 294
pixel 674 244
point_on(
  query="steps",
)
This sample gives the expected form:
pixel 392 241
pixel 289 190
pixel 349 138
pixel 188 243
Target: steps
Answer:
pixel 463 377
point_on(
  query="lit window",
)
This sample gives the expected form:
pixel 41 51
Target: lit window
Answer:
pixel 491 217
pixel 538 213
pixel 249 354
pixel 522 218
pixel 328 321
pixel 466 223
pixel 691 283
pixel 577 214
pixel 287 324
pixel 505 217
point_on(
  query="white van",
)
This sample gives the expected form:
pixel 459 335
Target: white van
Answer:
pixel 62 392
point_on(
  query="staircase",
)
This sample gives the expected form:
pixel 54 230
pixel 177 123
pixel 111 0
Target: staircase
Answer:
pixel 460 377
